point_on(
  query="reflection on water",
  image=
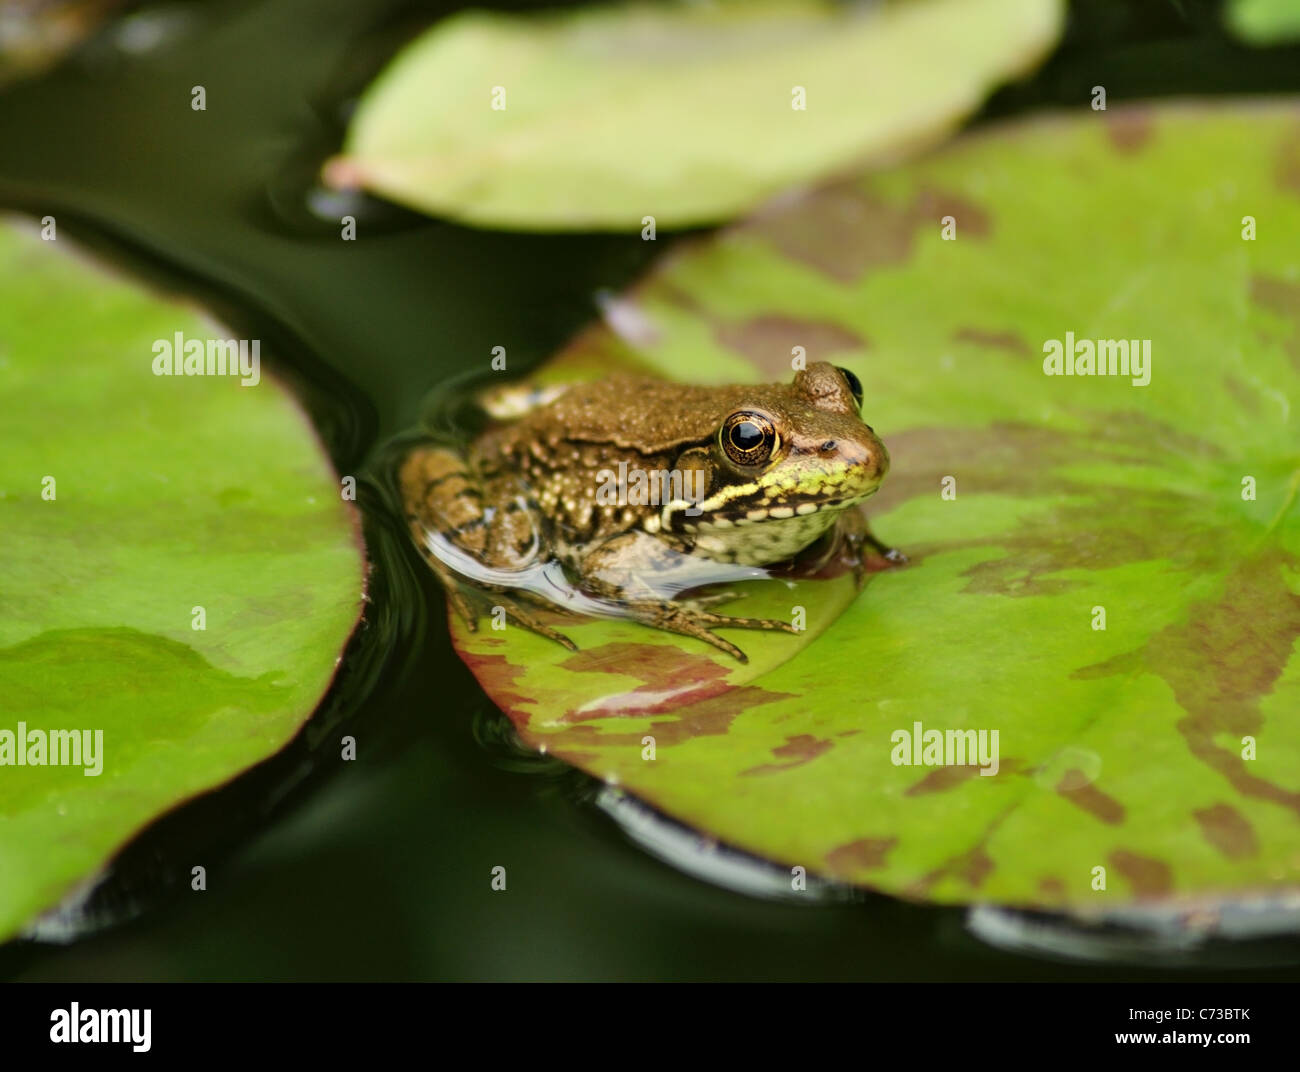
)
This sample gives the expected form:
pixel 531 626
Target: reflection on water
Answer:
pixel 1252 933
pixel 705 858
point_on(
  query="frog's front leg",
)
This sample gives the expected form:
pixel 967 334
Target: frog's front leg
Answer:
pixel 863 551
pixel 637 570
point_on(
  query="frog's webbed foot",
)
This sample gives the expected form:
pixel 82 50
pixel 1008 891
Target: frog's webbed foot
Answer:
pixel 689 618
pixel 526 618
pixel 493 598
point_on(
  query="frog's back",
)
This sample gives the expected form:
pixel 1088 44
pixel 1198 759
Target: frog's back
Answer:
pixel 641 414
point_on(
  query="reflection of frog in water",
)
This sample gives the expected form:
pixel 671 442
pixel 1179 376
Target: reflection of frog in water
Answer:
pixel 776 467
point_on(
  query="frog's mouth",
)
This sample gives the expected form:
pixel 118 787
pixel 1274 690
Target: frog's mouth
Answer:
pixel 683 515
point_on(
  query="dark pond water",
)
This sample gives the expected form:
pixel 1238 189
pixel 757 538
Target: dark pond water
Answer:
pixel 380 871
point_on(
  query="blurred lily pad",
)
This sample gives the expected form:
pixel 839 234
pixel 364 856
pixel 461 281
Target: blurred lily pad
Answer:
pixel 34 34
pixel 1264 22
pixel 574 120
pixel 1105 569
pixel 181 572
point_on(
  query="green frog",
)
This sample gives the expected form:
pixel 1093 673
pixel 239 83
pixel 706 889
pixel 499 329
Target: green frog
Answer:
pixel 639 490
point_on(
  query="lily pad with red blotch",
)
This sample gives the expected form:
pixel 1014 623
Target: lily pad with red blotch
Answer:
pixel 1104 570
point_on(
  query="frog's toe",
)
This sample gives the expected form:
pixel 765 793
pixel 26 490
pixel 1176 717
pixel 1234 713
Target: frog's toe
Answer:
pixel 721 645
pixel 725 621
pixel 530 622
pixel 462 607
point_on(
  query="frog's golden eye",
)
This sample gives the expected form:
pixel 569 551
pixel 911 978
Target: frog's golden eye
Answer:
pixel 748 438
pixel 855 385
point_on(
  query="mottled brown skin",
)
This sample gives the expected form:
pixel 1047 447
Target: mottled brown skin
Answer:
pixel 775 467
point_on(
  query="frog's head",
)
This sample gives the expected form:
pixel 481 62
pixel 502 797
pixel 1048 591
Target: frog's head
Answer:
pixel 784 462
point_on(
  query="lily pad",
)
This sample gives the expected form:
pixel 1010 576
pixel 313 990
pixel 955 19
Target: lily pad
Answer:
pixel 1104 574
pixel 129 502
pixel 573 120
pixel 1264 22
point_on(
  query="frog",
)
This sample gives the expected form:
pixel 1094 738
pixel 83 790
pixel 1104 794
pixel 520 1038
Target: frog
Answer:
pixel 747 477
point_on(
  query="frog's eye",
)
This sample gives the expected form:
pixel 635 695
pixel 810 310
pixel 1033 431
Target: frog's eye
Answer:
pixel 855 384
pixel 748 438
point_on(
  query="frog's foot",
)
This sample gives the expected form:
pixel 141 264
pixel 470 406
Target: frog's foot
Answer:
pixel 863 550
pixel 526 618
pixel 514 612
pixel 691 619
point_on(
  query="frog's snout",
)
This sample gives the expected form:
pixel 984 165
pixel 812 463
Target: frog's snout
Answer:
pixel 879 460
pixel 865 456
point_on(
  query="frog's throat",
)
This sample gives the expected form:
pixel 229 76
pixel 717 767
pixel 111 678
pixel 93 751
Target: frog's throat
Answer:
pixel 753 541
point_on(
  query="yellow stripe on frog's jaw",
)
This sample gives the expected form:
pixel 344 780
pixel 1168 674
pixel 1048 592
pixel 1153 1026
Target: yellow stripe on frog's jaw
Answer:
pixel 752 517
pixel 773 497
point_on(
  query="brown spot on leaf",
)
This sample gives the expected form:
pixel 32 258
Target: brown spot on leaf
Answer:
pixel 1228 831
pixel 692 689
pixel 1283 299
pixel 931 206
pixel 497 675
pixel 1286 169
pixel 1221 661
pixel 796 751
pixel 768 340
pixel 1052 887
pixel 1085 524
pixel 1148 877
pixel 997 340
pixel 1023 459
pixel 1225 658
pixel 1130 130
pixel 974 867
pixel 1075 787
pixel 1243 395
pixel 843 231
pixel 941 779
pixel 865 854
pixel 711 717
pixel 1125 664
pixel 971 867
pixel 668 684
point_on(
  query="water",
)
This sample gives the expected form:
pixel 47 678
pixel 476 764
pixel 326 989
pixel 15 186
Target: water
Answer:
pixel 379 869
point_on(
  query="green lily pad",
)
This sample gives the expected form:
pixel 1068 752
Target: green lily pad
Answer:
pixel 1264 22
pixel 128 500
pixel 1163 748
pixel 573 120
